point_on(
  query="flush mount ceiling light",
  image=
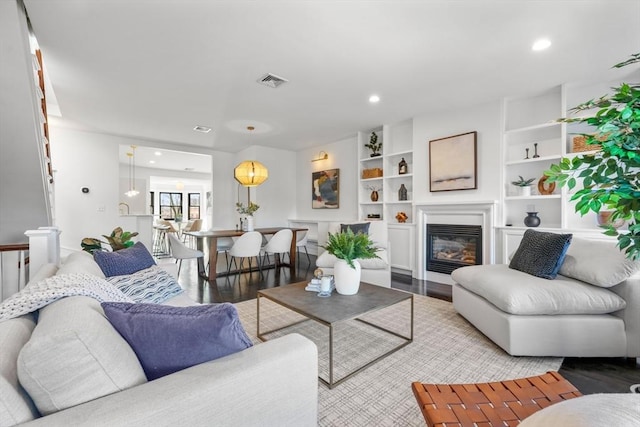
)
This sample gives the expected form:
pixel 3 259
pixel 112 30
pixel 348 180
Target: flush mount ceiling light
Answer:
pixel 158 153
pixel 541 44
pixel 180 185
pixel 152 161
pixel 374 99
pixel 203 129
pixel 132 173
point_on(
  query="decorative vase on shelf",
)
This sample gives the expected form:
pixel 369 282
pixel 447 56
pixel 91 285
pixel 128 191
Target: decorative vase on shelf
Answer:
pixel 247 224
pixel 374 196
pixel 402 192
pixel 402 167
pixel 347 279
pixel 532 219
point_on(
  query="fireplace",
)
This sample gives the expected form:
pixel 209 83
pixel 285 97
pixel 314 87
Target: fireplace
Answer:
pixel 452 246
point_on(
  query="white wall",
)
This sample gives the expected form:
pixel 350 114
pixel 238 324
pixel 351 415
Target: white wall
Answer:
pixel 276 196
pixel 484 119
pixel 342 155
pixel 23 195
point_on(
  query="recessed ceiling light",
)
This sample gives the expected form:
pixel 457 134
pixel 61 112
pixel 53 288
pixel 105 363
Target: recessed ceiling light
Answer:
pixel 158 153
pixel 152 161
pixel 374 98
pixel 203 129
pixel 541 44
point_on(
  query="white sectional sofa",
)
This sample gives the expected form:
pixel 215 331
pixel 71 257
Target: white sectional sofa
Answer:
pixel 85 373
pixel 591 309
pixel 375 270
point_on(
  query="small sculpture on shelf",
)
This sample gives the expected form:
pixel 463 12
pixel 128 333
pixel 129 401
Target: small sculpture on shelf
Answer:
pixel 374 145
pixel 402 217
pixel 526 151
pixel 535 150
pixel 544 188
pixel 402 167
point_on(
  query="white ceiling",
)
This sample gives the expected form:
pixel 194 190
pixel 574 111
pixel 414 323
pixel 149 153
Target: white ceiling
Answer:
pixel 155 69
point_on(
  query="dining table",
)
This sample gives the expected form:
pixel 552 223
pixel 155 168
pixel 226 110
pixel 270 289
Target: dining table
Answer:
pixel 214 235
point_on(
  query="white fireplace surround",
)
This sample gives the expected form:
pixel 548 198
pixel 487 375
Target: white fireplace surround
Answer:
pixel 459 213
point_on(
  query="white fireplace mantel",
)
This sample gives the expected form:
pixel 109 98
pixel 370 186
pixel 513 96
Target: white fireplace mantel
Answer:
pixel 482 212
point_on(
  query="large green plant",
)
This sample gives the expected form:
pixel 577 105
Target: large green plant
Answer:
pixel 610 177
pixel 349 246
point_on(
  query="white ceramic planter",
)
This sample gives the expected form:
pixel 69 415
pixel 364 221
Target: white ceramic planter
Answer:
pixel 247 225
pixel 347 279
pixel 524 191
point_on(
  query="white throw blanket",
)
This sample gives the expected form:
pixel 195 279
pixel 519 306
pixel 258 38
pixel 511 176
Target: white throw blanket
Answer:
pixel 37 295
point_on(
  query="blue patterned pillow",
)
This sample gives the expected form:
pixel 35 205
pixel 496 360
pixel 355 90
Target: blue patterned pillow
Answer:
pixel 356 228
pixel 124 261
pixel 153 285
pixel 167 339
pixel 541 254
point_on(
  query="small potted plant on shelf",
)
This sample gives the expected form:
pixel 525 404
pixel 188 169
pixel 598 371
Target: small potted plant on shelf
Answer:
pixel 348 248
pixel 374 145
pixel 523 185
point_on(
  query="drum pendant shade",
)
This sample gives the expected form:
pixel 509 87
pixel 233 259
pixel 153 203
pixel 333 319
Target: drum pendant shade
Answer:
pixel 251 173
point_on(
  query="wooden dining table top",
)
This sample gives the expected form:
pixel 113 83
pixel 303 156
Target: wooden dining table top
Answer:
pixel 235 233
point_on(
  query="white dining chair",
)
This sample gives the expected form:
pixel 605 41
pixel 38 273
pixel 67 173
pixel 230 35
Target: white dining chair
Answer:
pixel 246 246
pixel 301 242
pixel 278 245
pixel 180 252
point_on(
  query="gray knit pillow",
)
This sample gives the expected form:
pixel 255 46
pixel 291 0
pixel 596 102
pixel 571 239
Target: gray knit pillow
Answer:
pixel 541 254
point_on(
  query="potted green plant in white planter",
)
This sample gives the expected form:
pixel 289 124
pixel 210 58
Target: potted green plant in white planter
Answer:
pixel 609 177
pixel 348 248
pixel 523 185
pixel 247 212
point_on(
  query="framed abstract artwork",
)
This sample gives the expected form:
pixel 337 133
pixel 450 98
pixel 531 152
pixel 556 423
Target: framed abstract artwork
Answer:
pixel 325 189
pixel 453 163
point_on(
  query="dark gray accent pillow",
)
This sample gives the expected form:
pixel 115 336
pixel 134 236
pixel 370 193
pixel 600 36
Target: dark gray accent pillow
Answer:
pixel 356 228
pixel 167 339
pixel 124 261
pixel 541 254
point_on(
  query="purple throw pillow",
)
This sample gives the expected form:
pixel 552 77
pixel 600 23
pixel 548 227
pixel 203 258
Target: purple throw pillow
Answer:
pixel 167 339
pixel 124 261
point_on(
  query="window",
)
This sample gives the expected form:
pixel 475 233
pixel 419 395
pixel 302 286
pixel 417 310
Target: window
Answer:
pixel 194 205
pixel 170 205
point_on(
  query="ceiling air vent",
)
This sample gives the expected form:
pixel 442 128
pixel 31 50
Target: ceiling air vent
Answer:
pixel 272 80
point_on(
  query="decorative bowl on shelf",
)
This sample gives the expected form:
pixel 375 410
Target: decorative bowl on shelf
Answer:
pixel 603 219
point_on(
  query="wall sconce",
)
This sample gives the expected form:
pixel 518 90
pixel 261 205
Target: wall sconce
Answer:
pixel 321 156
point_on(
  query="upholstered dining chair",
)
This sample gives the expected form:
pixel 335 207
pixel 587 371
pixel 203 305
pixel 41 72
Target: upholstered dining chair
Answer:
pixel 278 245
pixel 303 238
pixel 246 246
pixel 180 252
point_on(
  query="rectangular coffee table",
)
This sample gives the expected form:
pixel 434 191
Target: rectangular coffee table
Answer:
pixel 335 310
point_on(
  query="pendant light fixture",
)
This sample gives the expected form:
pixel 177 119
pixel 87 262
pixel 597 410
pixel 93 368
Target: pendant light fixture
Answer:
pixel 132 173
pixel 250 173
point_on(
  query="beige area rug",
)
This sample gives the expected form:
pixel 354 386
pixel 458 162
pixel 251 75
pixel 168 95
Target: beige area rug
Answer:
pixel 445 349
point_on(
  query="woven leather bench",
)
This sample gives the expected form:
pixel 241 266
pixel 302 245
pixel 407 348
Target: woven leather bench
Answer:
pixel 504 403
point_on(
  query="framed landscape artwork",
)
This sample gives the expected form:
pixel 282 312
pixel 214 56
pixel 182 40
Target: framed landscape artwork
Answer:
pixel 325 189
pixel 453 163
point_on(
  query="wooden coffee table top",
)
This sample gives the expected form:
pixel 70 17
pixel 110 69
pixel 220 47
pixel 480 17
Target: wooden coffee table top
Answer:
pixel 335 308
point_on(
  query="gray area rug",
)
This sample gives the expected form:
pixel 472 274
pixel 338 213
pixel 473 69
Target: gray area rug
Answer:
pixel 445 349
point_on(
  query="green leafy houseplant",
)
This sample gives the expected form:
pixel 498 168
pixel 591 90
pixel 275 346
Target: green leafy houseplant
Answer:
pixel 521 182
pixel 248 210
pixel 610 177
pixel 349 246
pixel 118 239
pixel 374 145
